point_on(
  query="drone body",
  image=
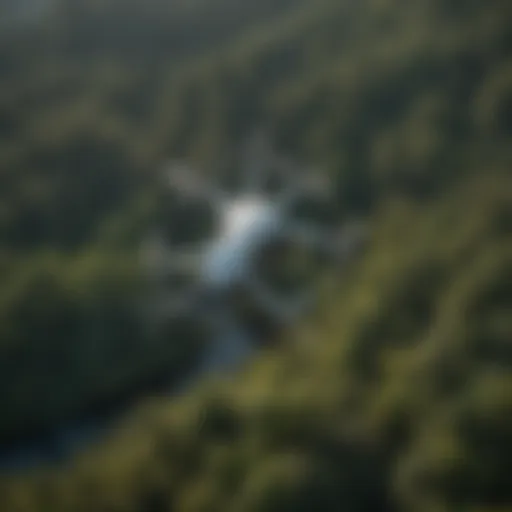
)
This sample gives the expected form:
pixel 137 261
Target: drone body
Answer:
pixel 248 223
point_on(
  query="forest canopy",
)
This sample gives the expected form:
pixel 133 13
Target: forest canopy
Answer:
pixel 396 395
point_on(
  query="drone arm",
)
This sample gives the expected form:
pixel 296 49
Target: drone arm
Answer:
pixel 162 261
pixel 191 184
pixel 312 238
pixel 301 185
pixel 337 244
pixel 185 261
pixel 257 158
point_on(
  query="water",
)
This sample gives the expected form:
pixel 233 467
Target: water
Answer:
pixel 247 225
pixel 232 348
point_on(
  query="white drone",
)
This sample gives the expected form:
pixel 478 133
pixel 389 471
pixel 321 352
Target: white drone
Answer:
pixel 250 221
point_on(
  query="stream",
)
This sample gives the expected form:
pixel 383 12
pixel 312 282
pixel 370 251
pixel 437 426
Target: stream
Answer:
pixel 228 353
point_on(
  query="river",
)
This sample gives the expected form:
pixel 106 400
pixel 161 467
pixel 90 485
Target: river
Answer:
pixel 233 347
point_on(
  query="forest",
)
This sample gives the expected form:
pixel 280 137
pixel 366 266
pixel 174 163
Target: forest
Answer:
pixel 396 393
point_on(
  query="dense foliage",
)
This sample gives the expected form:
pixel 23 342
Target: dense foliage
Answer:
pixel 398 395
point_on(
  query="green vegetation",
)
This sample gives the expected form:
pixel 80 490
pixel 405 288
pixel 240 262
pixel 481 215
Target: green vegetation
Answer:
pixel 397 395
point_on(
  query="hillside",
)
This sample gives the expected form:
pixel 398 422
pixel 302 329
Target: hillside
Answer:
pixel 395 397
pixel 400 398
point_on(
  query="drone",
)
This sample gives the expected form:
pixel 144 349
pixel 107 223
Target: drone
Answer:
pixel 208 279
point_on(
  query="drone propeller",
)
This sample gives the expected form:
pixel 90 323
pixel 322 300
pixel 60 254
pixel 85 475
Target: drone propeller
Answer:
pixel 162 260
pixel 335 244
pixel 190 184
pixel 302 185
pixel 257 158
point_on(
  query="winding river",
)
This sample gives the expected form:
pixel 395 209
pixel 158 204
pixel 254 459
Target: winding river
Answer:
pixel 226 354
